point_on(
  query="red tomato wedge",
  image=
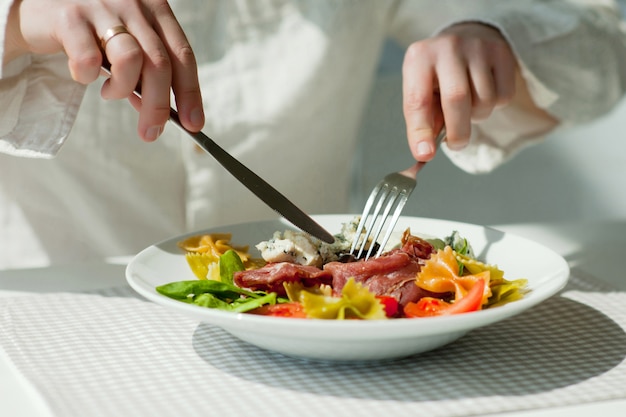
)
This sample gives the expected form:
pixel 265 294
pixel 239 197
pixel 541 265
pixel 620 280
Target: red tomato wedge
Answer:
pixel 429 306
pixel 293 310
pixel 390 304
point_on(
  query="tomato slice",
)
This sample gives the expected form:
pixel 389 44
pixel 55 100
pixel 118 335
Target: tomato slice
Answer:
pixel 426 307
pixel 429 306
pixel 390 304
pixel 292 310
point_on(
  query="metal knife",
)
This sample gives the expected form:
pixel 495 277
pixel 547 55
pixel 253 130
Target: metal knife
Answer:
pixel 268 194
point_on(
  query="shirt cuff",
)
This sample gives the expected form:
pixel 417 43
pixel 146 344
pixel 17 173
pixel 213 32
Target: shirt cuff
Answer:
pixel 40 102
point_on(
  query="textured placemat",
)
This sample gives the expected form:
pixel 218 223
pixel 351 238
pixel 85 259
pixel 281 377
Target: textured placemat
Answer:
pixel 112 354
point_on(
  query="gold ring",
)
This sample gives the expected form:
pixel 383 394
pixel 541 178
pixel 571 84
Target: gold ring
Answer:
pixel 111 33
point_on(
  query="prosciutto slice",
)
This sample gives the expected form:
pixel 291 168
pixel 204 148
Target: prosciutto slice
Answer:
pixel 415 246
pixel 392 274
pixel 271 277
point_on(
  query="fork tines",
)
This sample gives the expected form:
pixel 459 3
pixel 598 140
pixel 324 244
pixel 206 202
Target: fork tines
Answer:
pixel 392 192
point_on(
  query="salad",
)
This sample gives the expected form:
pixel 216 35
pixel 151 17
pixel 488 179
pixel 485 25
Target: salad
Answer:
pixel 299 276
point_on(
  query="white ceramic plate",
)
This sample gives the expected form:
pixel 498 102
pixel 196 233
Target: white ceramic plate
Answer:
pixel 351 340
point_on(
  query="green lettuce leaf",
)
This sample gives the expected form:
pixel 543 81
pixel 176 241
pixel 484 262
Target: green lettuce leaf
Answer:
pixel 230 262
pixel 216 294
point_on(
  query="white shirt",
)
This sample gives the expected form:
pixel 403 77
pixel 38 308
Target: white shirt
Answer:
pixel 284 84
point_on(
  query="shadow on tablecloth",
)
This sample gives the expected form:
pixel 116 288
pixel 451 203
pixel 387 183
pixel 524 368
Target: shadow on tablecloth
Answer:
pixel 561 343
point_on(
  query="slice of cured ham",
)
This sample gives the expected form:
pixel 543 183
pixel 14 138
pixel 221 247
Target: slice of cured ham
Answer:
pixel 271 277
pixel 392 274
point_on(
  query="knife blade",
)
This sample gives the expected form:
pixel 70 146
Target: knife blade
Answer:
pixel 261 188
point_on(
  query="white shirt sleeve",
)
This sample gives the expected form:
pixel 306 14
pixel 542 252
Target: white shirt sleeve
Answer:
pixel 42 85
pixel 572 55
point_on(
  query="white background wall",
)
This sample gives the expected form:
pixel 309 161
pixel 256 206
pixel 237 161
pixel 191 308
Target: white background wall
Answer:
pixel 574 174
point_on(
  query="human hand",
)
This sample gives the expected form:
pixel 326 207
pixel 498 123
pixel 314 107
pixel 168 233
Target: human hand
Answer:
pixel 458 76
pixel 154 51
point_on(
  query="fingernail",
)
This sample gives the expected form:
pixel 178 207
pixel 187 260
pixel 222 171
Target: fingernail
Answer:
pixel 424 148
pixel 153 132
pixel 197 117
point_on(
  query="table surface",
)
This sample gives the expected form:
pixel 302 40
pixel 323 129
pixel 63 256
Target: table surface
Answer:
pixel 592 248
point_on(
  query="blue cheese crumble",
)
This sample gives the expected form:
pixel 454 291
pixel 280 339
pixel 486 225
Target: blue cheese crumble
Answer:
pixel 300 247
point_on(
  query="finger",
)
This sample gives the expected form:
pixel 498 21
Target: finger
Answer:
pixel 504 68
pixel 82 50
pixel 156 78
pixel 483 88
pixel 135 101
pixel 84 56
pixel 125 58
pixel 438 114
pixel 456 103
pixel 185 82
pixel 155 100
pixel 417 95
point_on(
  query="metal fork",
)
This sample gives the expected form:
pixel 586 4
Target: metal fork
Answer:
pixel 392 191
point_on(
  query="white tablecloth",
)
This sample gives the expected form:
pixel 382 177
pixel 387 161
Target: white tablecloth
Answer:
pixel 109 353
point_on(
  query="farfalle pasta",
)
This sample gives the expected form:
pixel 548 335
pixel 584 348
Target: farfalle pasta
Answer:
pixel 203 253
pixel 441 274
